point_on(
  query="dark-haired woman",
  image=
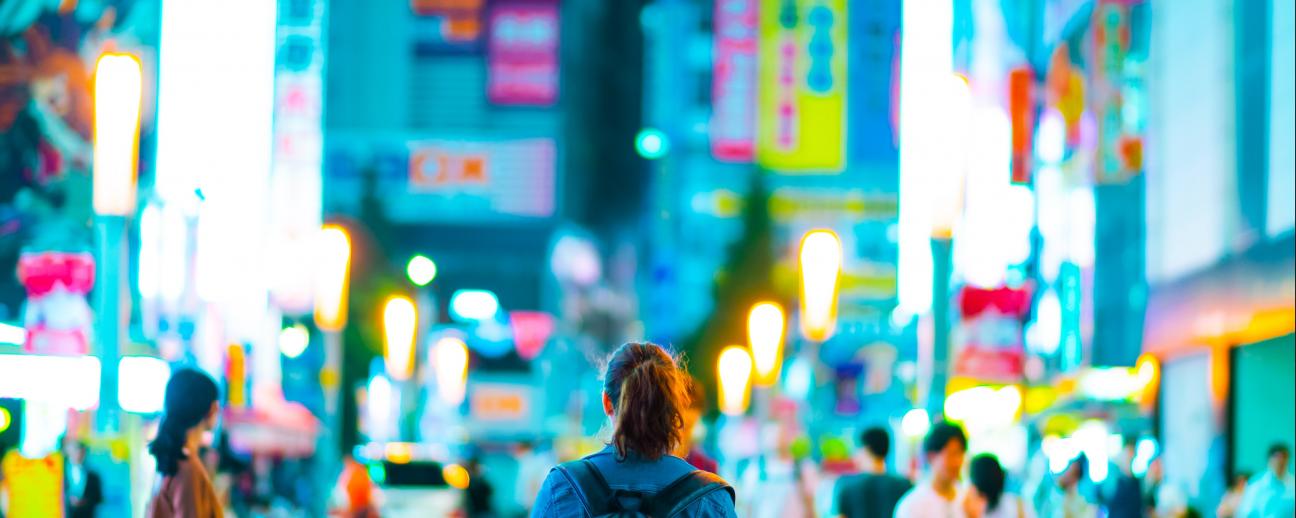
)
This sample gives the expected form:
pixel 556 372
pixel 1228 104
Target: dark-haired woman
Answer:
pixel 986 497
pixel 189 411
pixel 644 394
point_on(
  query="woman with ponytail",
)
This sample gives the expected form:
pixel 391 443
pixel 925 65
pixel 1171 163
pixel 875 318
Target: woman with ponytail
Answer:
pixel 189 411
pixel 645 395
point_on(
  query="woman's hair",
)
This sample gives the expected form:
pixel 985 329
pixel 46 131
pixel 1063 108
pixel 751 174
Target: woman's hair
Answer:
pixel 189 398
pixel 988 479
pixel 648 393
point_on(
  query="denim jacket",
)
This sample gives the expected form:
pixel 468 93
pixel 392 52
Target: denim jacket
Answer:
pixel 559 499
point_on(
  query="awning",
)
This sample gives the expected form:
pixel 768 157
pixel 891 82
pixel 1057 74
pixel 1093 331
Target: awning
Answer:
pixel 288 430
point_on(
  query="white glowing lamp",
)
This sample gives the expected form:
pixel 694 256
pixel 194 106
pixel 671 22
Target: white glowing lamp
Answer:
pixel 735 370
pixel 118 84
pixel 821 265
pixel 331 278
pixel 449 358
pixel 400 321
pixel 765 337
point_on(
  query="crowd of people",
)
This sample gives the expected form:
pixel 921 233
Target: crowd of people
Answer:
pixel 651 467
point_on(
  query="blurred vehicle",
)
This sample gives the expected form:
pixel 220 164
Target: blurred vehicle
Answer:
pixel 417 488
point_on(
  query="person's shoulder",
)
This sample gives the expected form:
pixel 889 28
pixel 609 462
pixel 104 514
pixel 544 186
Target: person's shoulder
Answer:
pixel 716 503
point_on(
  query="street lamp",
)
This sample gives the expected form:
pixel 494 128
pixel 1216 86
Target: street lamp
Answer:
pixel 118 84
pixel 449 358
pixel 421 270
pixel 765 337
pixel 821 265
pixel 332 285
pixel 735 372
pixel 400 322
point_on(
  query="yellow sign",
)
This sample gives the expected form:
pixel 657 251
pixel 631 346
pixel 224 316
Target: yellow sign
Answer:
pixel 802 98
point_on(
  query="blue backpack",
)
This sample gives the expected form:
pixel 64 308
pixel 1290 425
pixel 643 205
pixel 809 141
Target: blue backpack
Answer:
pixel 600 500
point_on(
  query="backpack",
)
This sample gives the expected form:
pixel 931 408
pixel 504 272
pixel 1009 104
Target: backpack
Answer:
pixel 600 500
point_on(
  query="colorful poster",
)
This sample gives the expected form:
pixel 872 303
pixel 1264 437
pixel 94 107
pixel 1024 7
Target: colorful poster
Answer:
pixel 1021 111
pixel 802 97
pixel 989 337
pixel 523 47
pixel 733 86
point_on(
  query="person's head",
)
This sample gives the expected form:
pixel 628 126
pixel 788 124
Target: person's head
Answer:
pixel 876 443
pixel 1073 474
pixel 944 447
pixel 644 393
pixel 1279 455
pixel 987 479
pixel 190 405
pixel 76 452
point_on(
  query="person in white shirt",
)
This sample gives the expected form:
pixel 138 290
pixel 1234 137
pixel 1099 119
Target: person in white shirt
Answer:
pixel 937 495
pixel 1270 495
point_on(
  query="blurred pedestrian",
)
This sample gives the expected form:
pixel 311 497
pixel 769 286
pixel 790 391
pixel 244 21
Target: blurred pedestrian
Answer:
pixel 873 492
pixel 82 488
pixel 1125 498
pixel 533 466
pixel 1062 498
pixel 480 491
pixel 190 410
pixel 692 413
pixel 936 496
pixel 354 496
pixel 986 496
pixel 1228 506
pixel 1162 498
pixel 1270 494
pixel 644 395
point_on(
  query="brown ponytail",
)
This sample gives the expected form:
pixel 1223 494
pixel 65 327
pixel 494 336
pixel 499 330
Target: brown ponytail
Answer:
pixel 648 394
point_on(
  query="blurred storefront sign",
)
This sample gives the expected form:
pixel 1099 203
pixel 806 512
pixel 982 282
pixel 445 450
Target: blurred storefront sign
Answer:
pixel 467 181
pixel 447 26
pixel 989 338
pixel 875 90
pixel 733 87
pixel 57 316
pixel 1021 111
pixel 789 204
pixel 296 180
pixel 501 406
pixel 522 65
pixel 288 431
pixel 802 95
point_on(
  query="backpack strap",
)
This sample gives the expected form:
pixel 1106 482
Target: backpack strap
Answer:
pixel 594 491
pixel 673 499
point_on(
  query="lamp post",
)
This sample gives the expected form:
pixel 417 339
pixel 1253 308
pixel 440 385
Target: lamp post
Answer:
pixel 765 325
pixel 332 285
pixel 400 328
pixel 117 95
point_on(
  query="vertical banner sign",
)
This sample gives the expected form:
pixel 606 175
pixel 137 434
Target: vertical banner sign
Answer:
pixel 1112 43
pixel 296 183
pixel 523 48
pixel 802 96
pixel 1021 110
pixel 733 87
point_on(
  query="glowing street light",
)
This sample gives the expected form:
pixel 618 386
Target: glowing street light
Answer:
pixel 735 370
pixel 651 143
pixel 765 337
pixel 421 270
pixel 293 340
pixel 821 265
pixel 331 278
pixel 399 324
pixel 449 359
pixel 478 305
pixel 916 423
pixel 118 84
